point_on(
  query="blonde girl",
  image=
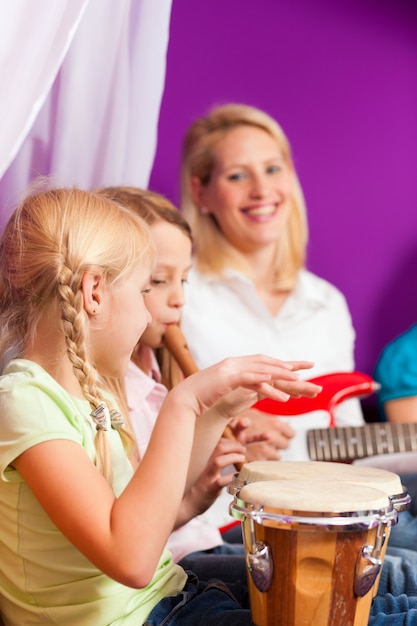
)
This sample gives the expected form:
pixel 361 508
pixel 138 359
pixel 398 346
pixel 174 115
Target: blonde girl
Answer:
pixel 84 528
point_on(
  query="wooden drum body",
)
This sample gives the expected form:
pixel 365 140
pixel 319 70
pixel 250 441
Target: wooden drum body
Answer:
pixel 313 549
pixel 388 482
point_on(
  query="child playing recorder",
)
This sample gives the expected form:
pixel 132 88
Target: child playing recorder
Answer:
pixel 84 527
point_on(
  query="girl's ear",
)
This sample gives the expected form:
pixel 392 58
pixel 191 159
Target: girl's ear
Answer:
pixel 92 288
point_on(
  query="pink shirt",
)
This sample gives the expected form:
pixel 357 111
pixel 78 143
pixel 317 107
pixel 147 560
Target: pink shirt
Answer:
pixel 145 395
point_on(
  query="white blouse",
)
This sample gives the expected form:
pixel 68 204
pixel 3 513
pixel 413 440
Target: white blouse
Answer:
pixel 224 316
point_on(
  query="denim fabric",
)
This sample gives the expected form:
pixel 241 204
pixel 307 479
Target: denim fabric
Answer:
pixel 225 562
pixel 215 604
pixel 410 483
pixel 203 604
pixel 404 533
pixel 399 572
pixel 393 611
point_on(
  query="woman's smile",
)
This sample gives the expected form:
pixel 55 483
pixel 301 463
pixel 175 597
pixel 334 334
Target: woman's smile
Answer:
pixel 260 211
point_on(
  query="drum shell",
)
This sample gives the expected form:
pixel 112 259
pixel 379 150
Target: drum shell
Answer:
pixel 320 470
pixel 312 582
pixel 314 556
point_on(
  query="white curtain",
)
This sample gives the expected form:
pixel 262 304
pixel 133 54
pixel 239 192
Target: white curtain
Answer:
pixel 82 83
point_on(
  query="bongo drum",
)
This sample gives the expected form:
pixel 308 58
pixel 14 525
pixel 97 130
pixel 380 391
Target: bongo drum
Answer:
pixel 313 549
pixel 388 482
pixel 384 480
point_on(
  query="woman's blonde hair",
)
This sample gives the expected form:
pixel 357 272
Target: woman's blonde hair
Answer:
pixel 213 252
pixel 153 207
pixel 50 241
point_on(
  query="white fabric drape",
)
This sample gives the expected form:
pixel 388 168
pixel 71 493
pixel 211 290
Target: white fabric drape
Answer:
pixel 81 92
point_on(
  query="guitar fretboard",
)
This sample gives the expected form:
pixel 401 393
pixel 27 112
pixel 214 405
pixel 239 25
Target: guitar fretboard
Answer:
pixel 349 443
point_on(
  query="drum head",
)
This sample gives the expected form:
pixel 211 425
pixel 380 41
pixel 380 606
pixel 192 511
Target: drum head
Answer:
pixel 256 471
pixel 302 496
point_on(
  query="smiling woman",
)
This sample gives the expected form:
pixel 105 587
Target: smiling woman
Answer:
pixel 249 289
pixel 250 189
pixel 237 163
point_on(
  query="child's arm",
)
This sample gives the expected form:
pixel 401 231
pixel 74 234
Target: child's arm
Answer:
pixel 401 409
pixel 124 537
pixel 211 423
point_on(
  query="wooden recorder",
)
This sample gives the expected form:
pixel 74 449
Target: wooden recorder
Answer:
pixel 176 345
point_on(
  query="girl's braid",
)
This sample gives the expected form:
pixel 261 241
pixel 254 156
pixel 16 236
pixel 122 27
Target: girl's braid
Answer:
pixel 73 320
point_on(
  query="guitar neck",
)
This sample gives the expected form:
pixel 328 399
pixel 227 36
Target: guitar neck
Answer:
pixel 346 444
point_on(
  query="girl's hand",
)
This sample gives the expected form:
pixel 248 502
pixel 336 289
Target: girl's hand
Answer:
pixel 215 395
pixel 236 383
pixel 211 481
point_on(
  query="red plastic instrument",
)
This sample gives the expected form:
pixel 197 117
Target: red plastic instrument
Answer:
pixel 337 387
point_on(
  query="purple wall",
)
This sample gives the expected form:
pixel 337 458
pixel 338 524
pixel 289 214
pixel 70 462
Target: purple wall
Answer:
pixel 341 78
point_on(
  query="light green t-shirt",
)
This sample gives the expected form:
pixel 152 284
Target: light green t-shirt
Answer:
pixel 44 579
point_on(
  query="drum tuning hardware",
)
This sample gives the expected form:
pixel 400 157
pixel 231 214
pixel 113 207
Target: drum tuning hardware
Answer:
pixel 259 561
pixel 260 565
pixel 367 569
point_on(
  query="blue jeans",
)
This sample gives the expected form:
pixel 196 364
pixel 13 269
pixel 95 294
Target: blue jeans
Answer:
pixel 213 604
pixel 217 604
pixel 396 602
pixel 393 611
pixel 225 562
pixel 404 533
pixel 399 572
pixel 203 604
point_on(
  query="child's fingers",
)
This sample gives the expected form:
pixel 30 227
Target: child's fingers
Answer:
pixel 285 389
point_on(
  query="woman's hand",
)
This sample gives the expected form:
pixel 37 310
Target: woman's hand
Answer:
pixel 264 435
